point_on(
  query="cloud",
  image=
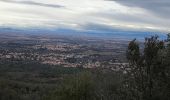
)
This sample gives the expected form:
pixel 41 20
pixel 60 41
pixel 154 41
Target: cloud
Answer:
pixel 158 7
pixel 137 15
pixel 34 3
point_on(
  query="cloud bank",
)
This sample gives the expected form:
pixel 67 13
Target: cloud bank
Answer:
pixel 137 15
pixel 34 3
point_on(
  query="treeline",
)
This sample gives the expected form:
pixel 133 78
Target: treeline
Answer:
pixel 147 77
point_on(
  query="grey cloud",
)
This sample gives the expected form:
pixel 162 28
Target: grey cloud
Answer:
pixel 160 8
pixel 34 3
pixel 130 19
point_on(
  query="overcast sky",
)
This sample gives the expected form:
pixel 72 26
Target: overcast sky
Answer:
pixel 140 15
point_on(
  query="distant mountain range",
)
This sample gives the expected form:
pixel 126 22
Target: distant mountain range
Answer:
pixel 115 34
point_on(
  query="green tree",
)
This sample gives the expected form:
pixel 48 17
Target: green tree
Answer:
pixel 166 64
pixel 152 64
pixel 7 93
pixel 145 68
pixel 135 70
pixel 79 87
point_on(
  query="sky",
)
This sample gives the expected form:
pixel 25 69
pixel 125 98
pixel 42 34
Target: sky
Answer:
pixel 87 15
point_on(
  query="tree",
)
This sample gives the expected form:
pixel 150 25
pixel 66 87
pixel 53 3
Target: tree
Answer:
pixel 145 68
pixel 152 63
pixel 166 64
pixel 135 71
pixel 78 87
pixel 167 52
pixel 133 52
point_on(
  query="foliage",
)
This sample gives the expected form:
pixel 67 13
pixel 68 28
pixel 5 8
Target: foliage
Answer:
pixel 89 86
pixel 147 70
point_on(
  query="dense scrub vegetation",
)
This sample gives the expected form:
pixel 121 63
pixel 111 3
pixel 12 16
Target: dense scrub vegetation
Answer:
pixel 30 80
pixel 149 70
pixel 145 78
